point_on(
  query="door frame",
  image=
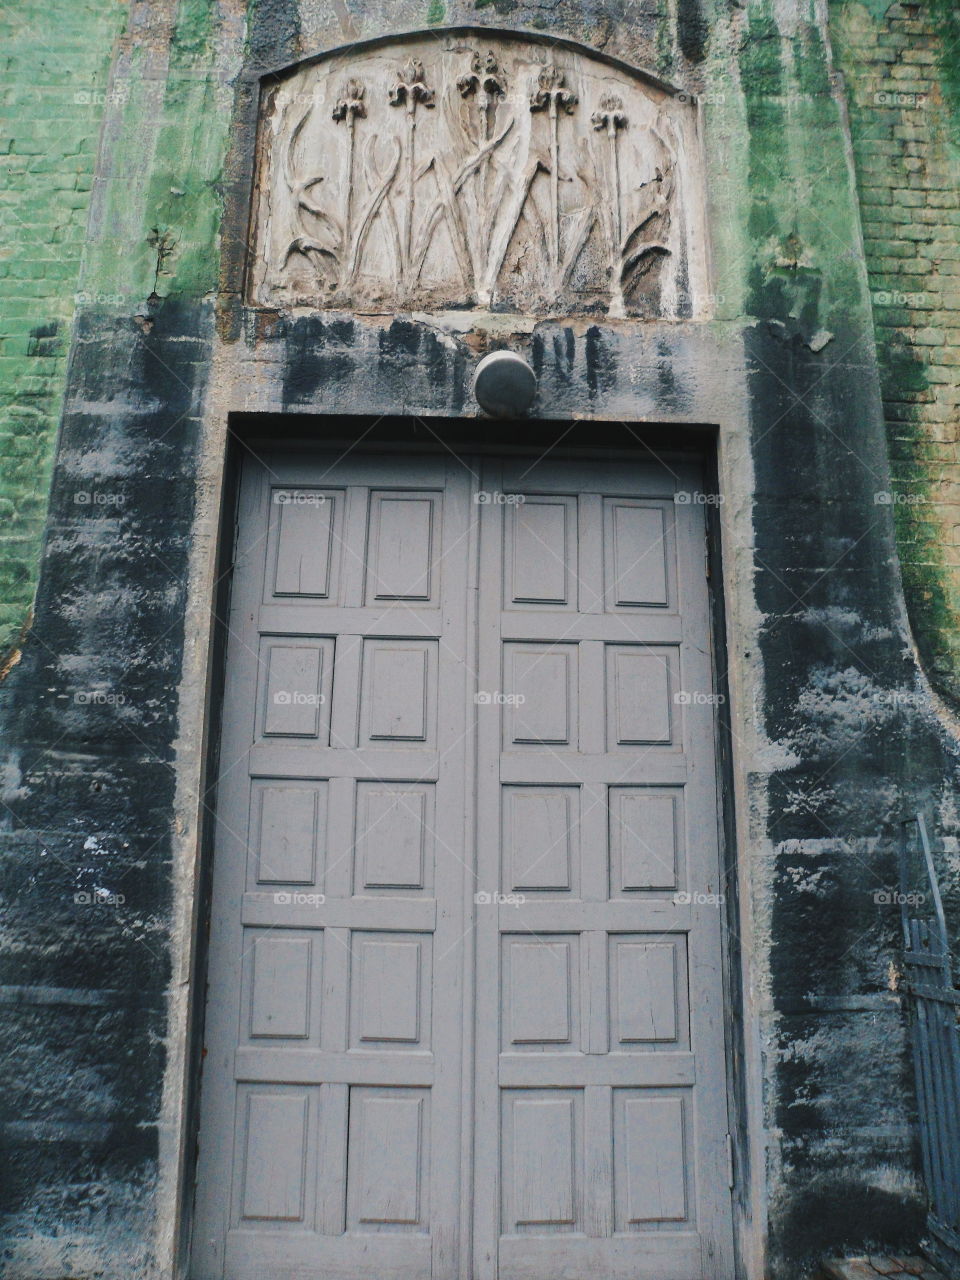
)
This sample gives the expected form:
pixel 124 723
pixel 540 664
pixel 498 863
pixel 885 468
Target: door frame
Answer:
pixel 695 442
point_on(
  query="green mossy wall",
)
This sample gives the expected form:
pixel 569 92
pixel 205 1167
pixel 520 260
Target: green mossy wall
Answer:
pixel 902 76
pixel 54 83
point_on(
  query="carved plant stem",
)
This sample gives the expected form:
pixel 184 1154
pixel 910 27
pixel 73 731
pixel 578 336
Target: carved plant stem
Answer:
pixel 615 166
pixel 410 89
pixel 351 183
pixel 484 104
pixel 411 189
pixel 348 108
pixel 551 94
pixel 554 185
pixel 485 81
pixel 610 119
pixel 492 85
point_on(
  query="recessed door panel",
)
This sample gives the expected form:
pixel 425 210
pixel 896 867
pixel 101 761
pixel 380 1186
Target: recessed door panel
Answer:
pixel 395 837
pixel 541 551
pixel 638 559
pixel 540 839
pixel 388 1161
pixel 402 547
pixel 288 822
pixel 305 543
pixel 644 833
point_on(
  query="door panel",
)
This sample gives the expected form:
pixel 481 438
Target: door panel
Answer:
pixel 441 1044
pixel 601 1116
pixel 331 1138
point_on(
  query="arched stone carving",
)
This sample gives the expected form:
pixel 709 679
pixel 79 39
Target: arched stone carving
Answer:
pixel 477 169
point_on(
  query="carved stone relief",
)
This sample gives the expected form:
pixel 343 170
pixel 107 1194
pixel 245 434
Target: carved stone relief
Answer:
pixel 480 170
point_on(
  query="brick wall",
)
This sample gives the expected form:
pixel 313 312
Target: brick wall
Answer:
pixel 54 63
pixel 900 64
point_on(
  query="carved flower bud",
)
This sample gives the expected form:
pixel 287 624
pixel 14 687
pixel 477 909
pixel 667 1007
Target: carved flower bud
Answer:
pixel 411 88
pixel 413 72
pixel 551 91
pixel 471 81
pixel 483 78
pixel 611 115
pixel 350 103
pixel 493 83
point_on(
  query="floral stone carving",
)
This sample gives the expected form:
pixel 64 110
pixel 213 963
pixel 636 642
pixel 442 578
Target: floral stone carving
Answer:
pixel 477 171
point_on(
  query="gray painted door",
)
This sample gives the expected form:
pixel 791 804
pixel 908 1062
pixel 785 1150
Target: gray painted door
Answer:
pixel 464 1018
pixel 601 1114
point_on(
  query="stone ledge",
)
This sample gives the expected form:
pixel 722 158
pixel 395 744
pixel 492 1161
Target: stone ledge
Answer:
pixel 892 1266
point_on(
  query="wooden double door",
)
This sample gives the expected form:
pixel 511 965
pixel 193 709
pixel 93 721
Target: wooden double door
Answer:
pixel 464 1013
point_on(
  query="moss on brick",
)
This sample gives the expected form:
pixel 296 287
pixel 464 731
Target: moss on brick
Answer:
pixel 57 58
pixel 906 159
pixel 168 158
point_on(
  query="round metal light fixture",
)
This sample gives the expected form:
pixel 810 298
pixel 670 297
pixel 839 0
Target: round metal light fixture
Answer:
pixel 504 384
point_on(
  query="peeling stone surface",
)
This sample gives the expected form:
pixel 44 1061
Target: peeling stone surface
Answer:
pixel 868 1268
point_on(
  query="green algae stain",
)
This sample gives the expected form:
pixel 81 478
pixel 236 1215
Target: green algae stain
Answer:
pixel 946 15
pixel 184 193
pixel 930 585
pixel 802 214
pixel 164 171
pixel 56 85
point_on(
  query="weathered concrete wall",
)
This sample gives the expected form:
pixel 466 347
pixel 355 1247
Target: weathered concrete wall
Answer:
pixel 833 730
pixel 88 799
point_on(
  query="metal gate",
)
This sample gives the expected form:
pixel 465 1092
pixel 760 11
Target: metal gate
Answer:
pixel 934 1004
